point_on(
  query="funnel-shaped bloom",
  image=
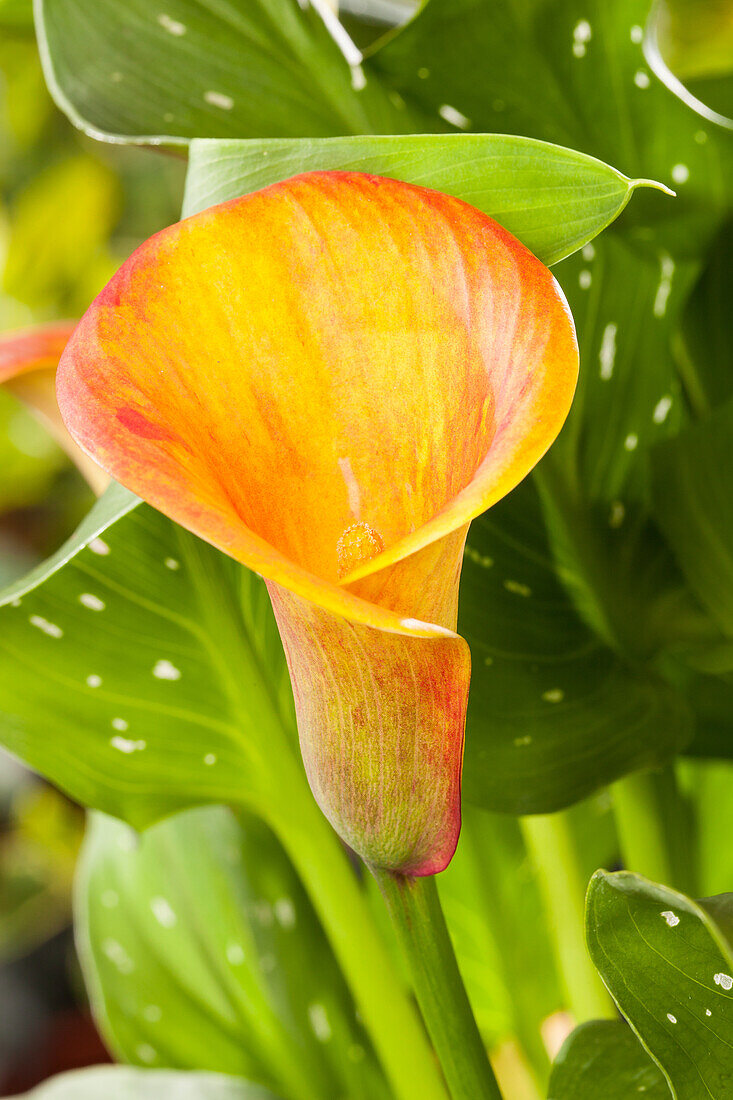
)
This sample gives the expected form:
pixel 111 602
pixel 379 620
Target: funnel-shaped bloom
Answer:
pixel 28 361
pixel 328 379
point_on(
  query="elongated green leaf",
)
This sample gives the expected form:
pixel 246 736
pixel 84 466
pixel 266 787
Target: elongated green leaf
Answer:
pixel 670 970
pixel 206 68
pixel 146 675
pixel 202 951
pixel 553 199
pixel 605 1060
pixel 125 1083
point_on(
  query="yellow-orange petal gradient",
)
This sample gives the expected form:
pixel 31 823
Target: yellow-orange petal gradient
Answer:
pixel 28 361
pixel 328 379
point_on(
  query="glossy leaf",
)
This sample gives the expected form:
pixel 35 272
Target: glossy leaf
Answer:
pixel 125 1083
pixel 202 951
pixel 693 502
pixel 552 708
pixel 202 68
pixel 552 199
pixel 605 1060
pixel 149 718
pixel 670 969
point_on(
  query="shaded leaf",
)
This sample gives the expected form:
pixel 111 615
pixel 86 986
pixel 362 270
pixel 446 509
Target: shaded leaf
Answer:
pixel 670 970
pixel 205 68
pixel 552 199
pixel 202 951
pixel 605 1060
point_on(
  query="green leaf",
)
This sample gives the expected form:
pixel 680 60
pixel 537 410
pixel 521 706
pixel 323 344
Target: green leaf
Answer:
pixel 693 503
pixel 568 71
pixel 201 951
pixel 125 1083
pixel 605 1060
pixel 553 711
pixel 670 970
pixel 206 68
pixel 155 661
pixel 552 199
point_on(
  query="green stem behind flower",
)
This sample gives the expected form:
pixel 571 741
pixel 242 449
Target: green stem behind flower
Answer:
pixel 418 919
pixel 654 828
pixel 383 1003
pixel 551 845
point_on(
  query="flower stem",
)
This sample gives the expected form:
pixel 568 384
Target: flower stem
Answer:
pixel 552 848
pixel 416 913
pixel 384 1004
pixel 639 803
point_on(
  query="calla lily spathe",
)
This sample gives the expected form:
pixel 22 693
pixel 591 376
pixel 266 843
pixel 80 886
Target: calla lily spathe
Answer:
pixel 28 361
pixel 328 379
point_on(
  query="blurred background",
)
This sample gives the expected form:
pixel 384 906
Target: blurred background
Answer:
pixel 71 210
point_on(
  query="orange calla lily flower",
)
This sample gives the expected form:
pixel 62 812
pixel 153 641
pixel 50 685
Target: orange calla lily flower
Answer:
pixel 328 379
pixel 28 362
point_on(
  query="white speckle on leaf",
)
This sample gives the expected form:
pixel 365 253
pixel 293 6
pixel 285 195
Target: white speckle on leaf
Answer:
pixel 173 26
pixel 358 78
pixel 641 78
pixel 120 724
pixel 285 913
pixel 117 955
pixel 92 602
pixel 146 1053
pixel 210 759
pixel 164 670
pixel 477 558
pixel 671 918
pixel 94 681
pixel 636 34
pixel 680 173
pixel 235 954
pixel 219 99
pixel 517 588
pixel 124 744
pixel 109 899
pixel 163 912
pixel 588 252
pixel 581 36
pixel 631 442
pixel 585 279
pixel 171 563
pixel 46 627
pixel 99 546
pixel 672 1019
pixel 319 1022
pixel 708 1012
pixel 152 1013
pixel 554 695
pixel 661 409
pixel 667 267
pixel 724 981
pixel 617 514
pixel 454 116
pixel 607 353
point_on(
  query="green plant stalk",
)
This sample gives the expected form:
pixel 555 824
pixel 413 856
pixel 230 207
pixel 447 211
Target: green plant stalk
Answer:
pixel 550 842
pixel 385 1006
pixel 416 913
pixel 639 803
